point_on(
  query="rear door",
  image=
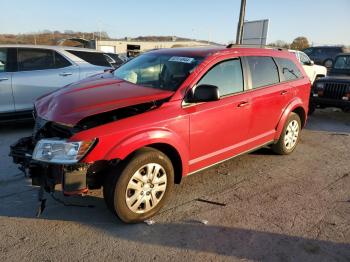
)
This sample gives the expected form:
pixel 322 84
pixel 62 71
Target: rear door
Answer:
pixel 269 97
pixel 96 62
pixel 6 98
pixel 40 71
pixel 218 128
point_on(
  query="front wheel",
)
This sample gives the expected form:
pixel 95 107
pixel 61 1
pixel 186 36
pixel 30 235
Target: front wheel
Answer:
pixel 142 187
pixel 290 136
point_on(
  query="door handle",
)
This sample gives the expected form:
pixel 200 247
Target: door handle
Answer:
pixel 66 74
pixel 243 103
pixel 284 92
pixel 3 79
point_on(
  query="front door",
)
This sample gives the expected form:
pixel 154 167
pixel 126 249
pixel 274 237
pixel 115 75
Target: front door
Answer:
pixel 218 128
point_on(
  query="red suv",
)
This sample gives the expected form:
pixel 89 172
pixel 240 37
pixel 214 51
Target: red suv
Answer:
pixel 166 114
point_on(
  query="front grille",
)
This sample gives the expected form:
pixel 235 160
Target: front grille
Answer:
pixel 335 90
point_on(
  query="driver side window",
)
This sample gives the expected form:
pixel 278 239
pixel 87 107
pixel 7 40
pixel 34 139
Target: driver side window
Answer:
pixel 227 76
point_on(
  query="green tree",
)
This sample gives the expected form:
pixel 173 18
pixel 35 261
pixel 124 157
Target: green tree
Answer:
pixel 300 43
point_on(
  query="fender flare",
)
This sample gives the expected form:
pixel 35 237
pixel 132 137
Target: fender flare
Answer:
pixel 290 108
pixel 132 143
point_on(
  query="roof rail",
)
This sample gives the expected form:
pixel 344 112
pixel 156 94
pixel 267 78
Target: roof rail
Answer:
pixel 256 46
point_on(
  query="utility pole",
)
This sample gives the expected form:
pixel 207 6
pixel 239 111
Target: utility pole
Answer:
pixel 239 34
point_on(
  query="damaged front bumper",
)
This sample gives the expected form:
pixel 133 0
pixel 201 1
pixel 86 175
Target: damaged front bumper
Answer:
pixel 73 177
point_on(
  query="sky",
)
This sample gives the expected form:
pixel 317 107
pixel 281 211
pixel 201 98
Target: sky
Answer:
pixel 321 21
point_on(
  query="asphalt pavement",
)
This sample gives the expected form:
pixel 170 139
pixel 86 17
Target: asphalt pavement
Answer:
pixel 256 207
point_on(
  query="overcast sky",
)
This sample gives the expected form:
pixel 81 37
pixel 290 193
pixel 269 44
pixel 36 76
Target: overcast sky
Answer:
pixel 321 21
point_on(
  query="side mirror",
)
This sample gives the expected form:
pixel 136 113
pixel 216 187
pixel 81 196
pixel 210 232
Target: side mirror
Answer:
pixel 312 62
pixel 204 93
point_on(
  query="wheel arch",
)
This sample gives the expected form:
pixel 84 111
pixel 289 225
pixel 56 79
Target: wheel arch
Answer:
pixel 167 142
pixel 174 157
pixel 296 106
pixel 302 114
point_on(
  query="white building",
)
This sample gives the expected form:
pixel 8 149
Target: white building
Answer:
pixel 134 46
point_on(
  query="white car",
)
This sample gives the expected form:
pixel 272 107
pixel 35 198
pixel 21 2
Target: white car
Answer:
pixel 313 71
pixel 30 71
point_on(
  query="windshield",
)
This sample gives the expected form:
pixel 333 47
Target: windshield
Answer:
pixel 159 71
pixel 342 62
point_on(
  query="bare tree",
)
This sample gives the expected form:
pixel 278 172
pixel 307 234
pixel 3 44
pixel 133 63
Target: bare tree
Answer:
pixel 300 43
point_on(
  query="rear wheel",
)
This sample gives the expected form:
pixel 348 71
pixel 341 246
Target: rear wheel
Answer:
pixel 141 186
pixel 289 137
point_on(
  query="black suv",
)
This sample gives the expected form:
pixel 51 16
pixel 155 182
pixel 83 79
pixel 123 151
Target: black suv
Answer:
pixel 324 55
pixel 333 90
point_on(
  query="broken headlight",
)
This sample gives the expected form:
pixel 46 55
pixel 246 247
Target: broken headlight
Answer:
pixel 61 151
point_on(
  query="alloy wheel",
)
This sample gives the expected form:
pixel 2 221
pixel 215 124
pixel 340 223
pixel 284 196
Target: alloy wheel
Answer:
pixel 291 135
pixel 146 188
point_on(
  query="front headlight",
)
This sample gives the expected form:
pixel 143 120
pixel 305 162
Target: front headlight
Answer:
pixel 61 151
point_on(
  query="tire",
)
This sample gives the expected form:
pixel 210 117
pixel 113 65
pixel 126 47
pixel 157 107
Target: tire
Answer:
pixel 292 125
pixel 131 188
pixel 328 63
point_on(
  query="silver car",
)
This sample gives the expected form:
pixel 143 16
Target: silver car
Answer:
pixel 30 71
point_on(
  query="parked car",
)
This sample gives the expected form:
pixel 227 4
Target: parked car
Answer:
pixel 164 115
pixel 28 72
pixel 324 55
pixel 114 59
pixel 334 90
pixel 313 71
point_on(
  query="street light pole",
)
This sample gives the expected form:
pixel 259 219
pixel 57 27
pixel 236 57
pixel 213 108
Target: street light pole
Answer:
pixel 239 34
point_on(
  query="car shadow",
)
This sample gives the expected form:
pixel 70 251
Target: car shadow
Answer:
pixel 189 235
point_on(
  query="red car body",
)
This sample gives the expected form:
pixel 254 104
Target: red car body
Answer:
pixel 202 134
pixel 136 141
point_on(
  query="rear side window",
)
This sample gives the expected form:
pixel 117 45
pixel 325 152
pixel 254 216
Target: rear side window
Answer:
pixel 263 71
pixel 98 59
pixel 3 60
pixel 288 69
pixel 60 61
pixel 227 76
pixel 40 59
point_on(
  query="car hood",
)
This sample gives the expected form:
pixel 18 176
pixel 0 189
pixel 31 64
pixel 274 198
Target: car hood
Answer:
pixel 320 69
pixel 96 95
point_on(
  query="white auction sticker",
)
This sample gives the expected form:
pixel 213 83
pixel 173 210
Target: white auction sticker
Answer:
pixel 180 59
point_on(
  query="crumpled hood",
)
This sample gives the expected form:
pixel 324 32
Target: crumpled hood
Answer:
pixel 96 95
